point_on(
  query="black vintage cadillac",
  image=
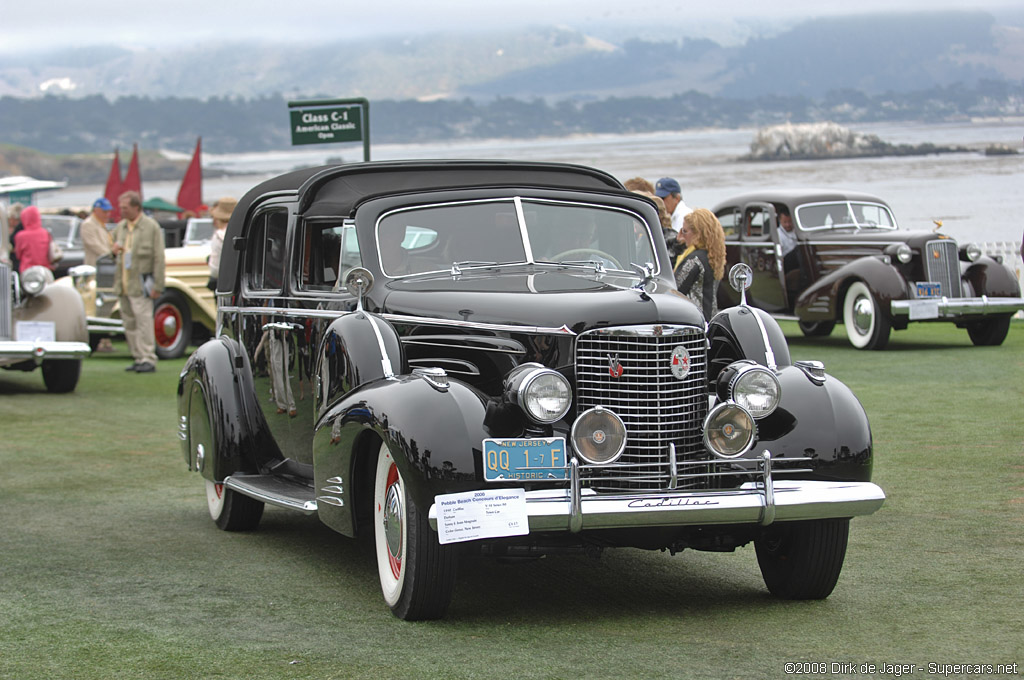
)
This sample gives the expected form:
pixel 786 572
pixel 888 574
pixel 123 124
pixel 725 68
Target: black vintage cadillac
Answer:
pixel 485 356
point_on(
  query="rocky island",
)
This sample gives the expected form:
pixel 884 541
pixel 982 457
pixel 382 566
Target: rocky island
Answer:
pixel 815 141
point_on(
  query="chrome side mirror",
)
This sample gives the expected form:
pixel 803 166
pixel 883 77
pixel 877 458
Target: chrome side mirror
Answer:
pixel 359 282
pixel 741 276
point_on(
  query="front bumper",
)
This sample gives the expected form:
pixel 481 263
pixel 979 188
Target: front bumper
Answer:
pixel 22 350
pixel 762 502
pixel 100 324
pixel 925 308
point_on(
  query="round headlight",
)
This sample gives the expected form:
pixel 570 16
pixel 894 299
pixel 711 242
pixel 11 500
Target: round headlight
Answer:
pixel 973 252
pixel 543 394
pixel 750 385
pixel 728 431
pixel 599 436
pixel 33 280
pixel 904 253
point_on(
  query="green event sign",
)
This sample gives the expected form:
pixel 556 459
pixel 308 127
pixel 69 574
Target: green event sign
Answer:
pixel 331 121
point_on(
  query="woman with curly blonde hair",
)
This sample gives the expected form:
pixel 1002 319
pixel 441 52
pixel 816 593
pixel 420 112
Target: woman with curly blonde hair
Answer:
pixel 702 264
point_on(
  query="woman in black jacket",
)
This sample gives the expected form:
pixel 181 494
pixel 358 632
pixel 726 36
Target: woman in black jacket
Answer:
pixel 702 263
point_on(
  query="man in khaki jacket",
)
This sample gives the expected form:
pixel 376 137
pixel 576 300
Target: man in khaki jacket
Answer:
pixel 139 278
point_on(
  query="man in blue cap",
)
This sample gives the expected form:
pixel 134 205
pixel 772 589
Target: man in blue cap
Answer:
pixel 95 238
pixel 669 191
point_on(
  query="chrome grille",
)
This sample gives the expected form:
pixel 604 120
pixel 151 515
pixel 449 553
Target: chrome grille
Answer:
pixel 6 300
pixel 657 408
pixel 942 264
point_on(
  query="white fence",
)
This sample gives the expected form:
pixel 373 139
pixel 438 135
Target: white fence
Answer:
pixel 1010 252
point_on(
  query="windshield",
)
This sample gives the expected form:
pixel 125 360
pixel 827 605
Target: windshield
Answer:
pixel 199 230
pixel 60 227
pixel 511 231
pixel 844 215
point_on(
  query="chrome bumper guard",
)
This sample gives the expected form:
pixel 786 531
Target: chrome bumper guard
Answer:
pixel 21 349
pixel 762 502
pixel 99 324
pixel 959 306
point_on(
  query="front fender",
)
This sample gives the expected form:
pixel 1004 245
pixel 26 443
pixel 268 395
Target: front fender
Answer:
pixel 985 276
pixel 220 432
pixel 824 422
pixel 822 301
pixel 60 304
pixel 435 436
pixel 744 332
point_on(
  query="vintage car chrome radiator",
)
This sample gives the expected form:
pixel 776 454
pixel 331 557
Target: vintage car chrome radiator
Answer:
pixel 942 264
pixel 655 379
pixel 5 302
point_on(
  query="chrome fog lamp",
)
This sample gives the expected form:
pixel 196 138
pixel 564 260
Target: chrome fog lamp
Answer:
pixel 750 385
pixel 544 395
pixel 599 436
pixel 973 252
pixel 33 280
pixel 904 253
pixel 728 431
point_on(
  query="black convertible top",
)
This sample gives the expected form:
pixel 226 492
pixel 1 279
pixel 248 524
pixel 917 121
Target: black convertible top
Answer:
pixel 336 190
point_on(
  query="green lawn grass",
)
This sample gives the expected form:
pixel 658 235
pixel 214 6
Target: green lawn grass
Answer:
pixel 111 568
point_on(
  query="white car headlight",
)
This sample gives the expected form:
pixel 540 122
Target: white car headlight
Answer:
pixel 904 253
pixel 973 252
pixel 33 280
pixel 599 436
pixel 750 385
pixel 544 395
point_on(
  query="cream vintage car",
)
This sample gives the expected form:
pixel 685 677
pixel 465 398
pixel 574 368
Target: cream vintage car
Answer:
pixel 42 324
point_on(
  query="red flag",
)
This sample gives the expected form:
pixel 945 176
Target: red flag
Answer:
pixel 133 180
pixel 190 195
pixel 113 189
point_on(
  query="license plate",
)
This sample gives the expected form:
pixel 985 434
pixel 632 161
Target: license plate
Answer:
pixel 524 459
pixel 927 289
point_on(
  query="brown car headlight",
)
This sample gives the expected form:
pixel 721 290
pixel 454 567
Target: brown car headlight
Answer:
pixel 752 386
pixel 599 436
pixel 544 395
pixel 729 431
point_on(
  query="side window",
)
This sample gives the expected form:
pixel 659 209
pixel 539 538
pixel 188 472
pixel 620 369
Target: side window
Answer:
pixel 320 254
pixel 730 223
pixel 756 221
pixel 265 251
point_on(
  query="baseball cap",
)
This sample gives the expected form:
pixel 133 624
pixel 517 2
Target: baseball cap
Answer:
pixel 666 186
pixel 102 203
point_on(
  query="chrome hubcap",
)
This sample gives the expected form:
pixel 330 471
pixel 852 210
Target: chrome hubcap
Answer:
pixel 393 520
pixel 170 326
pixel 863 314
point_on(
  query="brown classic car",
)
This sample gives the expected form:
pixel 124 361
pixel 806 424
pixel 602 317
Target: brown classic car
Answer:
pixel 828 256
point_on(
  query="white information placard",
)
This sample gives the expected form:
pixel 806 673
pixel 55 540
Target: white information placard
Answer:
pixel 481 514
pixel 35 331
pixel 924 309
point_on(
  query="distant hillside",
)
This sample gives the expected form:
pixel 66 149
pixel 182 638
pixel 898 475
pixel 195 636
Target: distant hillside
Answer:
pixel 870 54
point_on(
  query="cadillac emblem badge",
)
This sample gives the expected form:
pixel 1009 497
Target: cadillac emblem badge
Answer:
pixel 680 362
pixel 614 366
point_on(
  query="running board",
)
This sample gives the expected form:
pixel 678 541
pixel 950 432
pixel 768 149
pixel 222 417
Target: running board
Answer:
pixel 275 491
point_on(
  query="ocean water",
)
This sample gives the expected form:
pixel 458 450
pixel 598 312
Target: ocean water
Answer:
pixel 977 197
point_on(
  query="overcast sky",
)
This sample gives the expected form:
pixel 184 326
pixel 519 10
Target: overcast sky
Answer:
pixel 29 25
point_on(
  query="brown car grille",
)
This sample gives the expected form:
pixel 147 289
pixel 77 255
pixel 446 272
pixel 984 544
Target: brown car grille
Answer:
pixel 942 264
pixel 657 408
pixel 6 295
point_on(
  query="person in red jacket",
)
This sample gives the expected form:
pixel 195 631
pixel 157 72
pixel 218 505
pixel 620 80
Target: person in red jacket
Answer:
pixel 32 243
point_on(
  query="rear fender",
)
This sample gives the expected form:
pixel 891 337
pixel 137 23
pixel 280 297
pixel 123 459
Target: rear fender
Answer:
pixel 435 435
pixel 220 432
pixel 823 300
pixel 60 304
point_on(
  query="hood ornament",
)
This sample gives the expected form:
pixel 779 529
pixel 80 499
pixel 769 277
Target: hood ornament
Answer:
pixel 646 273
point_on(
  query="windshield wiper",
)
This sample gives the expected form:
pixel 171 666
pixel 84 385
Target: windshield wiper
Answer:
pixel 457 266
pixel 597 265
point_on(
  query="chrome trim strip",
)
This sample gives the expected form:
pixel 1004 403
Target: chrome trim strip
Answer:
pixel 287 311
pixel 521 218
pixel 385 360
pixel 575 497
pixel 551 509
pixel 768 516
pixel 769 355
pixel 270 491
pixel 954 306
pixel 422 320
